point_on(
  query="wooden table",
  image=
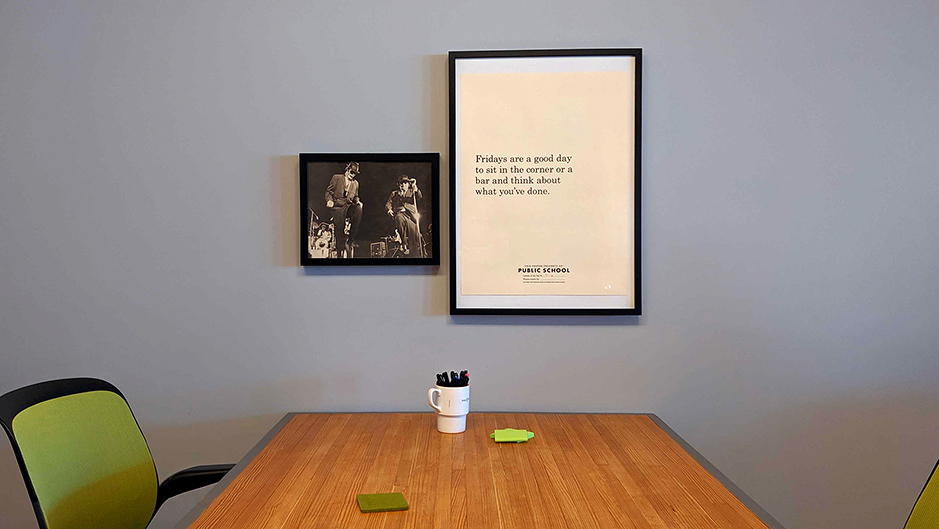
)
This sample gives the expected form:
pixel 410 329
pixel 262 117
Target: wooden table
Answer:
pixel 580 470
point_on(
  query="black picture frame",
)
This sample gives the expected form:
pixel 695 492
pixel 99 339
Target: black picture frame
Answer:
pixel 556 305
pixel 378 242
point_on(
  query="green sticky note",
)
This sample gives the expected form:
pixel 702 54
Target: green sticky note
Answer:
pixel 390 501
pixel 511 435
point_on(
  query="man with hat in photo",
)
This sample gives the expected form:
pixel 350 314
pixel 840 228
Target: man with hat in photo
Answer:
pixel 402 206
pixel 342 199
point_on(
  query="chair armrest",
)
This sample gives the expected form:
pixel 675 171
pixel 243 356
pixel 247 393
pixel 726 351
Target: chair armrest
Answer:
pixel 190 479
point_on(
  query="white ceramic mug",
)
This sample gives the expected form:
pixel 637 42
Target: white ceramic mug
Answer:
pixel 452 406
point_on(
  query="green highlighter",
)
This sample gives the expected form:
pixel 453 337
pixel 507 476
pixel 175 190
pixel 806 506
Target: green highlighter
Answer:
pixel 511 435
pixel 390 501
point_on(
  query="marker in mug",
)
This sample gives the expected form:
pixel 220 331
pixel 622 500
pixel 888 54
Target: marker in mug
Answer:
pixel 453 380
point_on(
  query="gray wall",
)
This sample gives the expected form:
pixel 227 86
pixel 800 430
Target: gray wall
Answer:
pixel 148 228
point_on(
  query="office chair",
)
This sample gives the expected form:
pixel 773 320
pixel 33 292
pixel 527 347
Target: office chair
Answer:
pixel 925 513
pixel 84 459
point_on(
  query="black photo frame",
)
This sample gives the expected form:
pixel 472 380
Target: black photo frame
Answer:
pixel 500 110
pixel 334 185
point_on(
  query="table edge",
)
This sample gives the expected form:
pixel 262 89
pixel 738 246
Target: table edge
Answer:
pixel 217 489
pixel 747 501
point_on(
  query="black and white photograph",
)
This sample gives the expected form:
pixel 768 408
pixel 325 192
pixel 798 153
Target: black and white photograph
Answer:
pixel 369 209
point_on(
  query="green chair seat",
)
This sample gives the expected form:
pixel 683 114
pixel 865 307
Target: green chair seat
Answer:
pixel 925 513
pixel 84 459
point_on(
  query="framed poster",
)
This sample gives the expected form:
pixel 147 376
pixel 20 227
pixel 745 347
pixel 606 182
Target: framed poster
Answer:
pixel 544 181
pixel 369 209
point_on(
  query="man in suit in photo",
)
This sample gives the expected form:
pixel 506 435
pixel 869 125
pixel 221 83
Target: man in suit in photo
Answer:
pixel 342 199
pixel 402 207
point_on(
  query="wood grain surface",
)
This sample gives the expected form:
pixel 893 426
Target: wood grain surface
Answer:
pixel 589 471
